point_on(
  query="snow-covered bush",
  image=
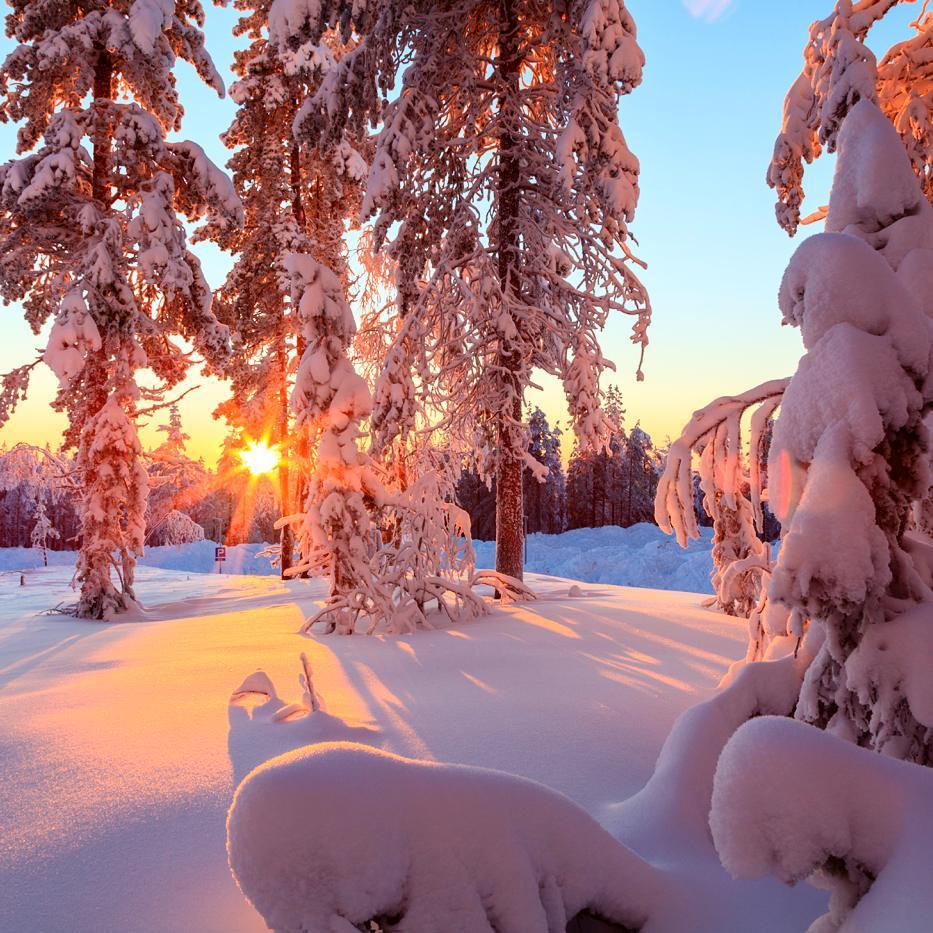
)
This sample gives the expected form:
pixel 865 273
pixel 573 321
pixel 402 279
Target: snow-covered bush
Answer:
pixel 795 802
pixel 333 836
pixel 175 529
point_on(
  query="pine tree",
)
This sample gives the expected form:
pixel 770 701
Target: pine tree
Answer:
pixel 176 482
pixel 477 499
pixel 851 450
pixel 640 478
pixel 545 489
pixel 505 182
pixel 42 530
pixel 840 70
pixel 295 202
pixel 94 240
pixel 173 446
pixel 580 488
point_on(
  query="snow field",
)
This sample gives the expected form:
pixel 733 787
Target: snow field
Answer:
pixel 119 753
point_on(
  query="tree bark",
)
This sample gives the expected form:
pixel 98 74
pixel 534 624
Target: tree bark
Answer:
pixel 103 91
pixel 510 533
pixel 287 537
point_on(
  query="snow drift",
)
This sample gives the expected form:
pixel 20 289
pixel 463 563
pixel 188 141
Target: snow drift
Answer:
pixel 802 804
pixel 331 836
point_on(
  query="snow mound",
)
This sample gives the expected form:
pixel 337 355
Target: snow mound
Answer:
pixel 800 803
pixel 641 555
pixel 331 836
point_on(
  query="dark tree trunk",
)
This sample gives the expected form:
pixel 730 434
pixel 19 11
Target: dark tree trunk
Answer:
pixel 510 535
pixel 287 536
pixel 103 91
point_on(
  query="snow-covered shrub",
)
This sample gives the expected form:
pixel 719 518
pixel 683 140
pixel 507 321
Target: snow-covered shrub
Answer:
pixel 850 452
pixel 332 836
pixel 795 802
pixel 176 528
pixel 731 480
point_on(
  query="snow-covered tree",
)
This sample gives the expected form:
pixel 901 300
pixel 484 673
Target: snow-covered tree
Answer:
pixel 175 437
pixel 336 537
pixel 840 70
pixel 639 478
pixel 176 481
pixel 731 481
pixel 37 498
pixel 505 184
pixel 43 530
pixel 295 201
pixel 91 238
pixel 851 451
pixel 387 553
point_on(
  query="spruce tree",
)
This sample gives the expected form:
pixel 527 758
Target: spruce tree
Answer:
pixel 91 237
pixel 505 187
pixel 295 201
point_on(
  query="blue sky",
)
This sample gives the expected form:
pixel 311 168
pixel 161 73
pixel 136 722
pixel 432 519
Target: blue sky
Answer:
pixel 703 125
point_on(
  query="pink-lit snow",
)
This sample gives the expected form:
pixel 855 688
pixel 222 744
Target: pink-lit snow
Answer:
pixel 119 753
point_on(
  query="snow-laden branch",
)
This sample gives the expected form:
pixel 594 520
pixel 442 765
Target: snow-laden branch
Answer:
pixel 674 509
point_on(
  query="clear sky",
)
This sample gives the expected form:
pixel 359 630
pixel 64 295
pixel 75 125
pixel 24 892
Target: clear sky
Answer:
pixel 702 124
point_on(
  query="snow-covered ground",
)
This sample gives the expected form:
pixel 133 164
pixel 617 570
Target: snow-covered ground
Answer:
pixel 638 556
pixel 119 753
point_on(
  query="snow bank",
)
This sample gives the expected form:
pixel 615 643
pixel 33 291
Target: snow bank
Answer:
pixel 800 803
pixel 641 555
pixel 195 557
pixel 675 802
pixel 331 836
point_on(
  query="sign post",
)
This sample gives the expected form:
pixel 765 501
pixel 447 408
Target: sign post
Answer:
pixel 220 555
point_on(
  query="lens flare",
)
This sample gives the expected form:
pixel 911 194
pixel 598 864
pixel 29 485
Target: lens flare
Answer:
pixel 259 458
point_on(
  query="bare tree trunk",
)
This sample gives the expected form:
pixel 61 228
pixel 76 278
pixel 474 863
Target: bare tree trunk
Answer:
pixel 510 534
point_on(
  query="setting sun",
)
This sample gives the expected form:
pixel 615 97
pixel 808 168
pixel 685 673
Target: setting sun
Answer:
pixel 258 457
